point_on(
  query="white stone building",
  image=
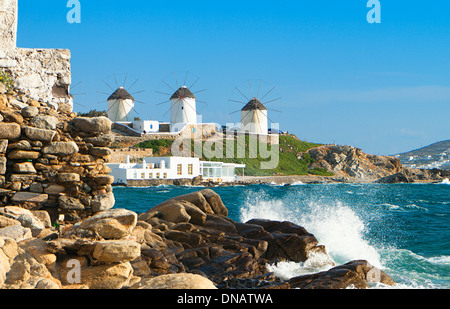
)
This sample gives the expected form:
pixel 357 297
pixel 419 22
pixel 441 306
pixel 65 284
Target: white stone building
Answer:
pixel 146 126
pixel 173 168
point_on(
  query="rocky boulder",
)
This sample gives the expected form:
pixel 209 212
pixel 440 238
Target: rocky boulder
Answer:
pixel 10 131
pixel 97 125
pixel 110 224
pixel 356 274
pixel 348 161
pixel 177 282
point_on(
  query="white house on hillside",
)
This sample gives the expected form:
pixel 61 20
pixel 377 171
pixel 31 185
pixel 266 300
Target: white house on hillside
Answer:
pixel 146 126
pixel 174 168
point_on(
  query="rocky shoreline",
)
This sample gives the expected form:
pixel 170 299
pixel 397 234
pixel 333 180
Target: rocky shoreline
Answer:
pixel 59 230
pixel 406 176
pixel 187 242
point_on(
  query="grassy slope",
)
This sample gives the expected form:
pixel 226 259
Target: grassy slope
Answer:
pixel 291 150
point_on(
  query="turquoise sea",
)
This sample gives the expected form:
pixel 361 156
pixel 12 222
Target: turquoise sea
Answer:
pixel 404 229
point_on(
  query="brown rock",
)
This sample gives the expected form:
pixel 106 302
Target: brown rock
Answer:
pixel 96 125
pixel 24 168
pixel 177 282
pixel 22 154
pixel 110 224
pixel 356 274
pixel 61 148
pixel 21 197
pixel 116 251
pixel 3 145
pixel 70 203
pixel 100 151
pixel 3 167
pixel 36 134
pixel 68 177
pixel 9 131
pixel 104 180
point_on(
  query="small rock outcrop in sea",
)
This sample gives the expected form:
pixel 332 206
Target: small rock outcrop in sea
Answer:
pixel 187 242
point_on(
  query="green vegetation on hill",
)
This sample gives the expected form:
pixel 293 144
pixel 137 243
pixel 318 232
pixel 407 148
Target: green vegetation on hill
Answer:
pixel 159 146
pixel 93 113
pixel 292 157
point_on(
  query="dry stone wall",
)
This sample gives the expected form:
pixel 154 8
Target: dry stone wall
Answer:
pixel 53 160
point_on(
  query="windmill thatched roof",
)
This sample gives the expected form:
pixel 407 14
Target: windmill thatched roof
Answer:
pixel 121 94
pixel 254 104
pixel 182 93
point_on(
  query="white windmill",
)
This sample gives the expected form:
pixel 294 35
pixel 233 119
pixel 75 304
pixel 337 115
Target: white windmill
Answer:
pixel 183 109
pixel 120 105
pixel 183 104
pixel 254 114
pixel 254 118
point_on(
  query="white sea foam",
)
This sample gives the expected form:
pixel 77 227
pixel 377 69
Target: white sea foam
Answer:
pixel 446 181
pixel 439 260
pixel 297 183
pixel 340 229
pixel 334 225
pixel 288 270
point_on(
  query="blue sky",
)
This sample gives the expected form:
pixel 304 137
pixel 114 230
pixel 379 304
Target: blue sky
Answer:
pixel 381 87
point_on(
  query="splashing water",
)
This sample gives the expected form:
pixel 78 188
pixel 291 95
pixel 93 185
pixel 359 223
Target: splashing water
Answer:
pixel 334 225
pixel 403 228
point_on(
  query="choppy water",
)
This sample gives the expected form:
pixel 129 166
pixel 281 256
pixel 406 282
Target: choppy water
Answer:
pixel 403 229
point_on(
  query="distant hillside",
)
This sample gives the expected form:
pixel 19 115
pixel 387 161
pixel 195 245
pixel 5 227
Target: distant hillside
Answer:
pixel 436 155
pixel 431 150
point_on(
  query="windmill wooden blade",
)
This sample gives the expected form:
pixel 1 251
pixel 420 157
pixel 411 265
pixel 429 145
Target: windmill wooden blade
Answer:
pixel 185 78
pixel 272 101
pixel 165 93
pixel 138 92
pixel 167 101
pixel 125 80
pixel 234 112
pixel 108 85
pixel 115 79
pixel 132 85
pixel 168 85
pixel 73 87
pixel 200 91
pixel 242 94
pixel 103 93
pixel 259 89
pixel 176 80
pixel 267 93
pixel 237 101
pixel 194 83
